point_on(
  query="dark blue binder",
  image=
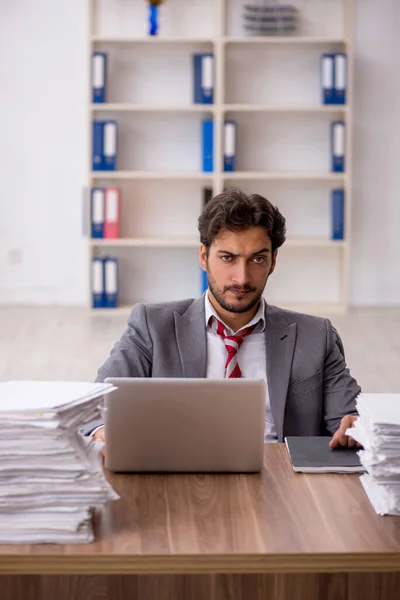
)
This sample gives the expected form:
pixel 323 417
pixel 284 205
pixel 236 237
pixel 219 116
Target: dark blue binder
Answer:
pixel 337 211
pixel 208 146
pixel 110 282
pixel 97 283
pixel 110 139
pixel 327 78
pixel 203 78
pixel 97 206
pixel 230 146
pixel 340 71
pixel 97 145
pixel 338 145
pixel 99 76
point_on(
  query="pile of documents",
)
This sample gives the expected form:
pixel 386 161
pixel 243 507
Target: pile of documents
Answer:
pixel 51 477
pixel 378 430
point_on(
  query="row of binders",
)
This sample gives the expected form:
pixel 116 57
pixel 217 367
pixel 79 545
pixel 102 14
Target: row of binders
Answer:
pixel 338 146
pixel 203 78
pixel 333 77
pixel 104 282
pixel 105 135
pixel 105 211
pixel 104 156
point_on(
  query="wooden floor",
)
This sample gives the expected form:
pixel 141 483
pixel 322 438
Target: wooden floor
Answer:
pixel 71 343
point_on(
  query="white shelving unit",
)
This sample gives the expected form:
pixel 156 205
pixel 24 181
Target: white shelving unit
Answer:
pixel 271 87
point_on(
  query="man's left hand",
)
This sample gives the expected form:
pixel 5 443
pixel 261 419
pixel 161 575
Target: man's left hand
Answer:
pixel 340 438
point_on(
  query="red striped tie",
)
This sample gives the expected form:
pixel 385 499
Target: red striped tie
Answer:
pixel 232 345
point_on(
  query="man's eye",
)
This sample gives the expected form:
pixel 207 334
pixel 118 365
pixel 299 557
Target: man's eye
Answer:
pixel 226 257
pixel 259 259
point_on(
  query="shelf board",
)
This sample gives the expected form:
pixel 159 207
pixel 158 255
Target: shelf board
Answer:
pixel 124 309
pixel 170 175
pixel 97 39
pixel 120 107
pixel 193 242
pixel 314 308
pixel 324 309
pixel 286 39
pixel 201 108
pixel 283 176
pixel 156 242
pixel 323 108
pixel 233 175
pixel 314 243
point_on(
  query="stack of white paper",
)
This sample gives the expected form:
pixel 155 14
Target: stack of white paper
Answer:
pixel 378 430
pixel 50 475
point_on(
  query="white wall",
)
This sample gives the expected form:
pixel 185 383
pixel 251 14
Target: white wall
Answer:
pixel 43 80
pixel 375 266
pixel 42 151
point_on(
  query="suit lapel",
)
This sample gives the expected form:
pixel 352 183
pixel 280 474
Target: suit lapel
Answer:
pixel 191 336
pixel 280 343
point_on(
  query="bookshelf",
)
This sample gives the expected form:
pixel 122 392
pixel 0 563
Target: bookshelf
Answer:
pixel 283 139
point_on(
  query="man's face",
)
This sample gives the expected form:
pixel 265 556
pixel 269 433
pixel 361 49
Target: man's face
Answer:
pixel 238 266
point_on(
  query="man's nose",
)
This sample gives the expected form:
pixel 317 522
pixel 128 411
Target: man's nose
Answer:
pixel 240 275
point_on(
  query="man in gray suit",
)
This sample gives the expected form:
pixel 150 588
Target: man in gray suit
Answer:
pixel 232 332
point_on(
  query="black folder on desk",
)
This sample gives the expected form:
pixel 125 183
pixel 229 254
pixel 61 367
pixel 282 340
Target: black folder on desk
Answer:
pixel 311 454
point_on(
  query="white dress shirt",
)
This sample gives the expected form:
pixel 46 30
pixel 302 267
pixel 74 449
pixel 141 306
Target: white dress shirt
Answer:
pixel 251 356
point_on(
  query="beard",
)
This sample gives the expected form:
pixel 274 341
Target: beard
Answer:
pixel 242 305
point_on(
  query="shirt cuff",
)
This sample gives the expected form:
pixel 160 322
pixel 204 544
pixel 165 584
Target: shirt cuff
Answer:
pixel 95 429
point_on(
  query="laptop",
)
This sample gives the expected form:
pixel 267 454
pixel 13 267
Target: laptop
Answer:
pixel 185 425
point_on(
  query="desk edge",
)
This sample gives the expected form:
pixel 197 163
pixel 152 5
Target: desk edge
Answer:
pixel 122 564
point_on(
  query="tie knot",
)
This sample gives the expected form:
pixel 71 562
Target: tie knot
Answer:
pixel 232 345
pixel 232 342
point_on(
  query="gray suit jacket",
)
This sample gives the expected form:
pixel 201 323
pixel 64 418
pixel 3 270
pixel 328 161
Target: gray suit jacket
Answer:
pixel 310 387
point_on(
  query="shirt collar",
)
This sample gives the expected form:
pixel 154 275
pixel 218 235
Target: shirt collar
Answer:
pixel 258 319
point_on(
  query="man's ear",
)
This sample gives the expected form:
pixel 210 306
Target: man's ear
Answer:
pixel 274 257
pixel 203 257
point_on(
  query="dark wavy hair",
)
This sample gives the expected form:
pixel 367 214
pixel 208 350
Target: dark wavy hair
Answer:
pixel 233 210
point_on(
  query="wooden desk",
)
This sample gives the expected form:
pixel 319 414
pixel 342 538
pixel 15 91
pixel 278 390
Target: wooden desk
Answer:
pixel 278 535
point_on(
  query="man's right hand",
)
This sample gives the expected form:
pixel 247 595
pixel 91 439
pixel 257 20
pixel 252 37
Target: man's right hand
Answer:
pixel 99 435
